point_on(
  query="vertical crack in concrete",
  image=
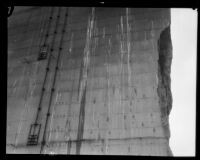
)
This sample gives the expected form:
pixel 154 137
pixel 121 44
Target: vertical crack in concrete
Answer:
pixel 122 78
pixel 81 122
pixel 69 146
pixel 128 41
pixel 80 78
pixel 83 79
pixel 164 80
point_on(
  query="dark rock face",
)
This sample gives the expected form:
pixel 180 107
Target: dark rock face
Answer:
pixel 164 80
pixel 164 70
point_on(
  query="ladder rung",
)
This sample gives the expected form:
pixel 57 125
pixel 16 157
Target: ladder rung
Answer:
pixel 33 138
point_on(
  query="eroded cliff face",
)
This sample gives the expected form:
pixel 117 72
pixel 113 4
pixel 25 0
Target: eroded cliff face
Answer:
pixel 164 70
pixel 164 79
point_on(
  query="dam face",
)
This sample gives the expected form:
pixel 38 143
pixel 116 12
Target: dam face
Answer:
pixel 89 80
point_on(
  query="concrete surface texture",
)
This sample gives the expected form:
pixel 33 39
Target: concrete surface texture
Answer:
pixel 88 80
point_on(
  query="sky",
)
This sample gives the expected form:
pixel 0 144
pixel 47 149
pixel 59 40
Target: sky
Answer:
pixel 183 75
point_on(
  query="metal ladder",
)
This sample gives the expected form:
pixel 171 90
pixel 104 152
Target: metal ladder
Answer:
pixel 34 131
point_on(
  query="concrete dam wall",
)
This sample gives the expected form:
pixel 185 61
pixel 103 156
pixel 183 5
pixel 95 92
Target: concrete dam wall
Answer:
pixel 89 80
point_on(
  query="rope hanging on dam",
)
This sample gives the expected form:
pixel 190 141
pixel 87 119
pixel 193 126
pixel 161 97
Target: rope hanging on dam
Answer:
pixel 43 142
pixel 54 77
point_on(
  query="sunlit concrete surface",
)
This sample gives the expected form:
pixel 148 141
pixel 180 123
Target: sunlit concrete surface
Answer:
pixel 89 81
